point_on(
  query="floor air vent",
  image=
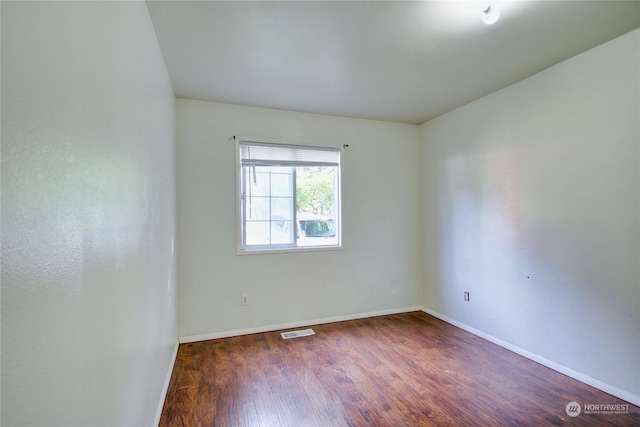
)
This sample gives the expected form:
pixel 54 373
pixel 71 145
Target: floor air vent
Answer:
pixel 297 334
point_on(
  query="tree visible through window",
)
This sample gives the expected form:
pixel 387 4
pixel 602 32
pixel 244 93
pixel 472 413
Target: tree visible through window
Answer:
pixel 289 196
pixel 316 189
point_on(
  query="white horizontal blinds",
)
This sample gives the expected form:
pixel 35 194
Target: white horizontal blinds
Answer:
pixel 259 153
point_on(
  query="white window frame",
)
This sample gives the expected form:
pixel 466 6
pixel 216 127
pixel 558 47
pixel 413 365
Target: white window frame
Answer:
pixel 241 247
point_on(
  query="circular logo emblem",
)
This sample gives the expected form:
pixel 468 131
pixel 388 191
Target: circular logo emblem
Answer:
pixel 573 409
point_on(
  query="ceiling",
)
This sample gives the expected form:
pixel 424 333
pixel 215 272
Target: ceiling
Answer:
pixel 397 61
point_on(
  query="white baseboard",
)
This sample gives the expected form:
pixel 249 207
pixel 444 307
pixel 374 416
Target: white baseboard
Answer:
pixel 303 323
pixel 165 388
pixel 607 388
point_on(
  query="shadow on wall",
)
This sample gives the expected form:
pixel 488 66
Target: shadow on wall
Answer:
pixel 536 246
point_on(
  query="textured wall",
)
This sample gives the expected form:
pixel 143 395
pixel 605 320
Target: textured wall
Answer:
pixel 378 269
pixel 532 204
pixel 88 277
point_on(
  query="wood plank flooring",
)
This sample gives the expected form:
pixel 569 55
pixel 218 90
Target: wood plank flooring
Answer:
pixel 407 369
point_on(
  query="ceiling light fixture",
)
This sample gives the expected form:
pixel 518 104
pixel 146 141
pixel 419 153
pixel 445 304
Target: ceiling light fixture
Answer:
pixel 490 15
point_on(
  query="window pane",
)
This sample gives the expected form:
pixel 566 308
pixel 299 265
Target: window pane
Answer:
pixel 282 207
pixel 269 205
pixel 282 182
pixel 316 198
pixel 316 190
pixel 282 232
pixel 258 233
pixel 276 232
pixel 257 182
pixel 258 208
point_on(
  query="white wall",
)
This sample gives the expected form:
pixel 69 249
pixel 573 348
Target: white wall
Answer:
pixel 379 268
pixel 531 201
pixel 88 277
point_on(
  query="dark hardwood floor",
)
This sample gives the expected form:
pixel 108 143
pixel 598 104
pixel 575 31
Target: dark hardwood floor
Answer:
pixel 407 369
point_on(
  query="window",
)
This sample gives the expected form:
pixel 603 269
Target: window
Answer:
pixel 288 198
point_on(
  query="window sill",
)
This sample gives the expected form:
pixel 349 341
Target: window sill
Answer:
pixel 289 250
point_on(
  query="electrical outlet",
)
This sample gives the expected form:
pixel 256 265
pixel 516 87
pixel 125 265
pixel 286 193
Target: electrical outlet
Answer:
pixel 244 299
pixel 466 296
